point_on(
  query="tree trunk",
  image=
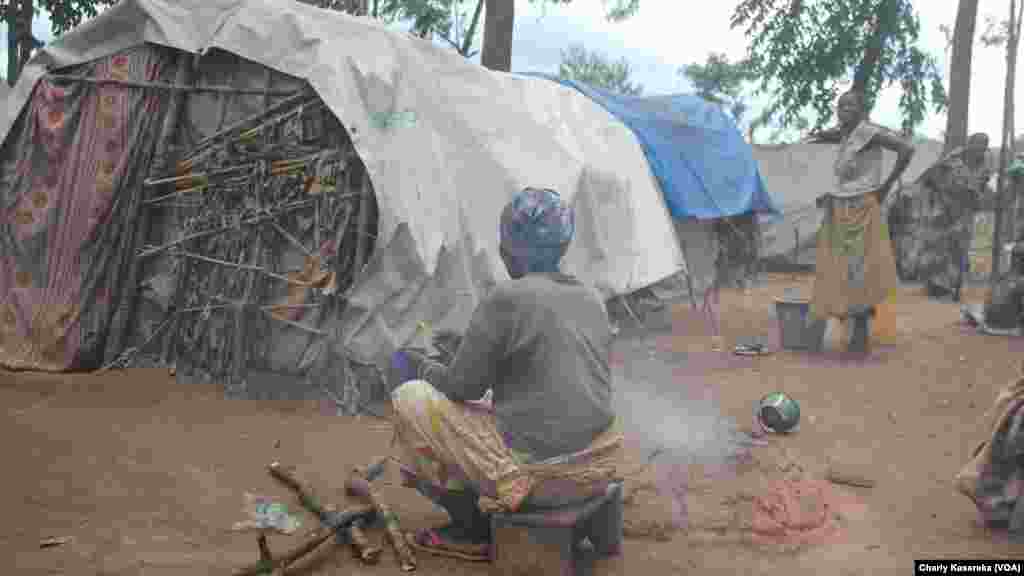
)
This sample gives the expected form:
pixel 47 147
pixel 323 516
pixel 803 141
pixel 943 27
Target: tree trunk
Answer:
pixel 18 17
pixel 868 67
pixel 1008 109
pixel 499 24
pixel 25 39
pixel 960 74
pixel 11 19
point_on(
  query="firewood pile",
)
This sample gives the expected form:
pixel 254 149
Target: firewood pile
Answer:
pixel 273 220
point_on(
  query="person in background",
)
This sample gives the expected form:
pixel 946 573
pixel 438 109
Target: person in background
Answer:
pixel 855 267
pixel 1003 310
pixel 994 476
pixel 954 189
pixel 1016 174
pixel 735 254
pixel 539 345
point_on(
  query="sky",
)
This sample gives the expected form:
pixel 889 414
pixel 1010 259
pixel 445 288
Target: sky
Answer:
pixel 666 35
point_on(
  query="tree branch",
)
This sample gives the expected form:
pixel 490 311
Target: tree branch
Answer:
pixel 467 42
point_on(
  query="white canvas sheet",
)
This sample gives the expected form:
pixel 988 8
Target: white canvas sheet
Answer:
pixel 446 143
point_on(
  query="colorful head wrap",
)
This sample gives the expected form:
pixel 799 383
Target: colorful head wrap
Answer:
pixel 536 228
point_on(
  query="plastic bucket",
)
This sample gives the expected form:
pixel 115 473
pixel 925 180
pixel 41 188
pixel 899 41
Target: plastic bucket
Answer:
pixel 797 331
pixel 883 326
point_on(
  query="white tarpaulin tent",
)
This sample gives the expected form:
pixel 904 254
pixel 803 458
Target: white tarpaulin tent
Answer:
pixel 467 139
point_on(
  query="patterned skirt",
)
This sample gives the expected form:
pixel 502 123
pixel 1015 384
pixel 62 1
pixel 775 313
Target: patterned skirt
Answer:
pixel 457 446
pixel 855 269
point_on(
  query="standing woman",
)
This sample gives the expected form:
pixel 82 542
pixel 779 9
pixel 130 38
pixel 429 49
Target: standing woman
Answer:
pixel 855 268
pixel 956 186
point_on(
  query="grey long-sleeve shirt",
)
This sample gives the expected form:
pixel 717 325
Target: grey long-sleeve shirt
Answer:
pixel 542 343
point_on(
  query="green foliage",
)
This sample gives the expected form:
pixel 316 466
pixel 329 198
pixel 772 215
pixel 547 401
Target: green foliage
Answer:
pixel 802 50
pixel 615 11
pixel 66 14
pixel 996 33
pixel 622 9
pixel 721 82
pixel 593 68
pixel 453 21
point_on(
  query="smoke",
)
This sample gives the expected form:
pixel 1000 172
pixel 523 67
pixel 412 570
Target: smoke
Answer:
pixel 673 417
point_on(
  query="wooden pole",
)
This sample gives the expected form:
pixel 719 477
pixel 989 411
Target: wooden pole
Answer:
pixel 240 368
pixel 1008 110
pixel 363 222
pixel 142 217
pixel 267 564
pixel 796 245
pixel 357 485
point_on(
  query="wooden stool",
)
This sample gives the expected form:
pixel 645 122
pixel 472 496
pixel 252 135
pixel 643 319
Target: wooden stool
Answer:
pixel 558 541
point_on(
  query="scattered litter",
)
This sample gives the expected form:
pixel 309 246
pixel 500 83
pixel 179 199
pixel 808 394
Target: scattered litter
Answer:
pixel 849 474
pixel 716 344
pixel 753 349
pixel 265 514
pixel 57 541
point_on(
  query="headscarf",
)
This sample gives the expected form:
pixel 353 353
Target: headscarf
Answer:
pixel 536 228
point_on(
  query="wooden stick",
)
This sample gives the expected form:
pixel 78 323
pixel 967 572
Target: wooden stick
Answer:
pixel 303 160
pixel 288 306
pixel 316 224
pixel 255 220
pixel 362 548
pixel 363 223
pixel 290 238
pixel 164 86
pixel 339 236
pixel 241 360
pixel 265 116
pixel 205 308
pixel 298 325
pixel 199 175
pixel 139 215
pixel 265 555
pixel 167 206
pixel 201 188
pixel 288 558
pixel 357 485
pixel 141 347
pixel 260 269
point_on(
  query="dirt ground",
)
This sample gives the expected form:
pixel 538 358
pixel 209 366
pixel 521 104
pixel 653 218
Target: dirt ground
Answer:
pixel 147 476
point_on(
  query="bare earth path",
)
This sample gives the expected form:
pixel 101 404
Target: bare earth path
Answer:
pixel 147 475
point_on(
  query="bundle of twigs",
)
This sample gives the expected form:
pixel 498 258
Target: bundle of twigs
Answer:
pixel 275 182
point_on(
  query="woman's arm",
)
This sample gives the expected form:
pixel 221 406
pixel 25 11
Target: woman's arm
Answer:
pixel 832 135
pixel 474 368
pixel 904 152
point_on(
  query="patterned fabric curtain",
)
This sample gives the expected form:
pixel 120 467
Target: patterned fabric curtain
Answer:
pixel 72 172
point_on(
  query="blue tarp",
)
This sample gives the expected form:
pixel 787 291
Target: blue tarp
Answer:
pixel 704 166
